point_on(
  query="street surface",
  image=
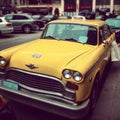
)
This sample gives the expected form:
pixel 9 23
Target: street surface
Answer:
pixel 108 105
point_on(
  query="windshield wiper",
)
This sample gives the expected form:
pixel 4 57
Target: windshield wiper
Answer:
pixel 71 39
pixel 50 37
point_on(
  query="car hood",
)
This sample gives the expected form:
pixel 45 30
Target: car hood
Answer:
pixel 50 56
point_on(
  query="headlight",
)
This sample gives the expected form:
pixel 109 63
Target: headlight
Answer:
pixel 2 61
pixel 67 74
pixel 72 74
pixel 77 76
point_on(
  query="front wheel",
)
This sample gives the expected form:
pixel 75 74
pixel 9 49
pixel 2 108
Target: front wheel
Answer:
pixel 94 94
pixel 27 29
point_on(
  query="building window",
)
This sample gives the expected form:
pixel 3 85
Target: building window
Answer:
pixel 85 5
pixel 56 1
pixel 47 1
pixel 103 2
pixel 117 2
pixel 70 5
pixel 33 2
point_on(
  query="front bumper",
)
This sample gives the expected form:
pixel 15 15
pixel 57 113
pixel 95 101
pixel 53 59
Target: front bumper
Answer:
pixel 52 105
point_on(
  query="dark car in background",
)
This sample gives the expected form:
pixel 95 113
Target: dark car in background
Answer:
pixel 48 18
pixel 22 22
pixel 87 14
pixel 115 27
pixel 64 17
pixel 118 16
pixel 39 22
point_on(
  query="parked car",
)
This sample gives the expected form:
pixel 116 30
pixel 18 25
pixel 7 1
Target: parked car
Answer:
pixel 40 23
pixel 115 27
pixel 87 14
pixel 5 26
pixel 62 72
pixel 79 17
pixel 64 17
pixel 22 22
pixel 118 16
pixel 48 18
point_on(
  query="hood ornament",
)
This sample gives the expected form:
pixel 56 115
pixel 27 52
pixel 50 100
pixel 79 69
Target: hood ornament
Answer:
pixel 31 66
pixel 36 55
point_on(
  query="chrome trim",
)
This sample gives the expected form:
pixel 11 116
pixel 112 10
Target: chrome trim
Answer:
pixel 43 91
pixel 62 103
pixel 34 89
pixel 31 66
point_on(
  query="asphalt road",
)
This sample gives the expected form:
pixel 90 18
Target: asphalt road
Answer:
pixel 108 105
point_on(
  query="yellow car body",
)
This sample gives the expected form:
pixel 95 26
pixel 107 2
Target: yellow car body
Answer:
pixel 58 73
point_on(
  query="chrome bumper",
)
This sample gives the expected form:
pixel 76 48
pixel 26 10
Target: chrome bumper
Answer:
pixel 57 106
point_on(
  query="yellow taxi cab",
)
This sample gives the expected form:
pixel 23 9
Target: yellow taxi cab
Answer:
pixel 62 71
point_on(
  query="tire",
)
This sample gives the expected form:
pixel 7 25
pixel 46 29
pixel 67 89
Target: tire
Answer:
pixel 94 94
pixel 37 27
pixel 27 29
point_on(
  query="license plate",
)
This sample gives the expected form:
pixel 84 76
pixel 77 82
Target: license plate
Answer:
pixel 10 85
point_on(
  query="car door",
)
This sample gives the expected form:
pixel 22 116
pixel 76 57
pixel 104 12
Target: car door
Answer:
pixel 105 40
pixel 9 18
pixel 17 22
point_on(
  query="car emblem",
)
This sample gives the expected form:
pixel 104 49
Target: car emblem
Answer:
pixel 36 55
pixel 31 66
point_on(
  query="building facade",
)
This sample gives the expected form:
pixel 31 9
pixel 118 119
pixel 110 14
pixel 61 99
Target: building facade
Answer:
pixel 65 6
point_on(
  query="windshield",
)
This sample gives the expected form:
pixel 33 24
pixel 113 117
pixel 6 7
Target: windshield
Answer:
pixel 71 32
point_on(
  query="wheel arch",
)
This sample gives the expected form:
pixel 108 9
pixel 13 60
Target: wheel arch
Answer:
pixel 25 25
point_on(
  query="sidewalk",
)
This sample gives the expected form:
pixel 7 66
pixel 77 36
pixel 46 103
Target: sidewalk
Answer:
pixel 108 105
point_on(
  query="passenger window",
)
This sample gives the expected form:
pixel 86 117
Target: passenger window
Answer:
pixel 106 31
pixel 101 38
pixel 9 17
pixel 92 37
pixel 18 17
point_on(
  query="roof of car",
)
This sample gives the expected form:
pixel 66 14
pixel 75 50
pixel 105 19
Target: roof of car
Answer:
pixel 113 19
pixel 78 21
pixel 17 14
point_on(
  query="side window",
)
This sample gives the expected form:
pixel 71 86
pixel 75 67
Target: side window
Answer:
pixel 106 31
pixel 19 17
pixel 100 36
pixel 9 17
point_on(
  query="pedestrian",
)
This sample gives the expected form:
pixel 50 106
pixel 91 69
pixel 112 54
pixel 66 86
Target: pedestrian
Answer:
pixel 115 52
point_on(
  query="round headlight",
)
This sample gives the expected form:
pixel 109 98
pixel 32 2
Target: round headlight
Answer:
pixel 2 61
pixel 77 76
pixel 67 74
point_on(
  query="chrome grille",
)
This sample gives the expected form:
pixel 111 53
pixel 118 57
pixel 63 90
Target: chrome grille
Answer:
pixel 35 81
